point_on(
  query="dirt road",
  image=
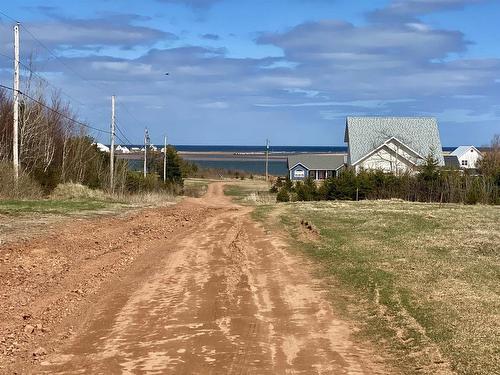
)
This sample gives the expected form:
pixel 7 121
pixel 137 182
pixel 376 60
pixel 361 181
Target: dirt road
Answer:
pixel 218 295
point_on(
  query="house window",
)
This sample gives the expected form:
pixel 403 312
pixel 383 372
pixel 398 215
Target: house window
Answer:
pixel 464 163
pixel 299 173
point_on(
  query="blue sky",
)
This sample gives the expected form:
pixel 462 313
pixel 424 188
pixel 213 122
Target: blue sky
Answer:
pixel 244 71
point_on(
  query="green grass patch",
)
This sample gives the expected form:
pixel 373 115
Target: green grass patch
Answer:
pixel 196 187
pixel 261 213
pixel 250 192
pixel 236 191
pixel 421 279
pixel 18 207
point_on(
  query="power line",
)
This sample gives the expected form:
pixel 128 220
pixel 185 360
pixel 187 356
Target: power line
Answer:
pixel 44 80
pixel 75 72
pixel 59 59
pixel 123 142
pixel 62 62
pixel 9 17
pixel 56 111
pixel 134 118
pixel 53 86
pixel 123 134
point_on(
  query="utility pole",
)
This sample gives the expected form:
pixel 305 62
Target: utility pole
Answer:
pixel 146 140
pixel 15 133
pixel 267 160
pixel 112 149
pixel 165 161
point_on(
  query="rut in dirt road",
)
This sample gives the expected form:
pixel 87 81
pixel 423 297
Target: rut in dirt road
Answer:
pixel 222 297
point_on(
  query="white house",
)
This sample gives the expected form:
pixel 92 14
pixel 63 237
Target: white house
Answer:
pixel 468 156
pixel 102 147
pixel 392 144
pixel 122 149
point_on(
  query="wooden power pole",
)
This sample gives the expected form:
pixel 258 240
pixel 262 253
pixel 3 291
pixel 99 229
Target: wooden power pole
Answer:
pixel 146 140
pixel 112 148
pixel 165 161
pixel 15 133
pixel 267 160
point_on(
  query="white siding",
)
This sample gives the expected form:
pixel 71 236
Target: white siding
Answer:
pixel 386 162
pixel 392 158
pixel 471 157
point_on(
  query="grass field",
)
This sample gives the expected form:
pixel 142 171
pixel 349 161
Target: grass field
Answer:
pixel 250 192
pixel 74 199
pixel 49 206
pixel 196 187
pixel 422 281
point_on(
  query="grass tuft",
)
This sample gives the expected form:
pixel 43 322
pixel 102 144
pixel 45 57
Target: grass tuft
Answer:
pixel 421 279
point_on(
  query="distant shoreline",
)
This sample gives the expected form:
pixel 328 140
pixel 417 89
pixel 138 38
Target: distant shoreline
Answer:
pixel 225 156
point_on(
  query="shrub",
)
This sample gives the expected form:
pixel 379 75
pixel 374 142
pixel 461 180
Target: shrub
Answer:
pixel 283 195
pixel 137 183
pixel 306 191
pixel 77 191
pixel 26 186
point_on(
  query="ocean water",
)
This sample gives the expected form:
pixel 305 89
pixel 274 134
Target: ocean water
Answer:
pixel 259 149
pixel 258 167
pixel 253 149
pixel 276 167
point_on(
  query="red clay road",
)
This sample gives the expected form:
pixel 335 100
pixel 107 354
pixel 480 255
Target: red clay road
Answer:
pixel 217 296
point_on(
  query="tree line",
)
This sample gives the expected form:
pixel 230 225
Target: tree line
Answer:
pixel 55 148
pixel 430 184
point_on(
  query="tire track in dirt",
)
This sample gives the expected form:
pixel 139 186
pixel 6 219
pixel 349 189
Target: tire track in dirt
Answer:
pixel 219 297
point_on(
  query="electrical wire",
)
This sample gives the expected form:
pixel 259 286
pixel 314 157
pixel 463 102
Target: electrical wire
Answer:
pixel 123 134
pixel 44 80
pixel 56 111
pixel 62 62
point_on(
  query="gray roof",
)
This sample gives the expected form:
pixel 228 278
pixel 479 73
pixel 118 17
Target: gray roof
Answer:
pixel 364 134
pixel 317 161
pixel 451 161
pixel 461 150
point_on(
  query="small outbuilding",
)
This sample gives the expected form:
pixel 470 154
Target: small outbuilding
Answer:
pixel 315 166
pixel 451 162
pixel 468 156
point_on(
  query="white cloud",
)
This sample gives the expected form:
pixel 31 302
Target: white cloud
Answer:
pixel 215 105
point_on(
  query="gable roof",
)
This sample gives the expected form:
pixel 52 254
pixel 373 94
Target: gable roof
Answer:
pixel 386 145
pixel 364 134
pixel 451 161
pixel 461 150
pixel 317 161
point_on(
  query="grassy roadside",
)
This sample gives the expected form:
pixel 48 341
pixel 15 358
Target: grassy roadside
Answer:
pixel 60 207
pixel 249 192
pixel 422 281
pixel 196 187
pixel 75 199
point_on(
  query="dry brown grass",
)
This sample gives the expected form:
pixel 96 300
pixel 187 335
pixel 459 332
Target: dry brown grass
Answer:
pixel 151 199
pixel 423 279
pixel 25 188
pixel 78 191
pixel 255 192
